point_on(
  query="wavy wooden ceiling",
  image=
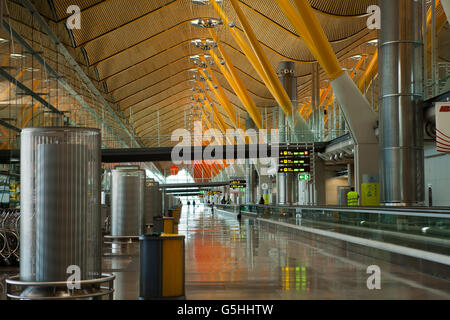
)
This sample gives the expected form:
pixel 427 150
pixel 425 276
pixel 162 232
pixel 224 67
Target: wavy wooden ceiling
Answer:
pixel 140 49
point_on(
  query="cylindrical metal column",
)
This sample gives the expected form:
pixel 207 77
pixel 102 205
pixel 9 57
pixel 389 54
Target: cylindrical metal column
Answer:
pixel 401 117
pixel 249 170
pixel 287 189
pixel 60 206
pixel 152 201
pixel 127 207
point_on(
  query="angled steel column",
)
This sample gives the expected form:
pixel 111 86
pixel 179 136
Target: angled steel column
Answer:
pixel 401 96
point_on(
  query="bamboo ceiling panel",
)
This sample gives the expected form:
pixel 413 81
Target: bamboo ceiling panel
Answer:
pixel 343 8
pixel 151 79
pixel 149 65
pixel 156 88
pixel 177 89
pixel 120 35
pixel 173 37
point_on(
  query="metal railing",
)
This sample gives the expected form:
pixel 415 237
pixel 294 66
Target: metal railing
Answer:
pixel 15 289
pixel 419 228
pixel 9 237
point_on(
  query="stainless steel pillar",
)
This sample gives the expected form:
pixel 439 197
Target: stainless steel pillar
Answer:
pixel 249 167
pixel 401 117
pixel 127 207
pixel 287 186
pixel 315 96
pixel 152 201
pixel 60 204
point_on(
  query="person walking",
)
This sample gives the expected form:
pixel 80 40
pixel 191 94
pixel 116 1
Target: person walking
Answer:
pixel 352 198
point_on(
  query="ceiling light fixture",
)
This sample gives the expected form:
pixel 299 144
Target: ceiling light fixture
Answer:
pixel 206 22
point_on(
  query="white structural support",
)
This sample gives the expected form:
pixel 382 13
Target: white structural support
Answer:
pixel 362 121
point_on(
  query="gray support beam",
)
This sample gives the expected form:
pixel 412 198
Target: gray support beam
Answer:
pixel 4 74
pixel 401 118
pixel 62 49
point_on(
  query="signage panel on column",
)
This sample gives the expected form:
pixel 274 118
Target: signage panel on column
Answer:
pixel 294 158
pixel 238 184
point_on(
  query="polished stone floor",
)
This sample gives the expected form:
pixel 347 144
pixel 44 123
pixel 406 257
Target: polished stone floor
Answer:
pixel 226 259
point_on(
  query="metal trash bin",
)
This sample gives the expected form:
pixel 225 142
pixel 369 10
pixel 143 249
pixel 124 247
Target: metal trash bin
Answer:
pixel 162 269
pixel 158 224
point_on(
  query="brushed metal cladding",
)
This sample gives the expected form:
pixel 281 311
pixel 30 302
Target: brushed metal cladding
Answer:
pixel 401 94
pixel 60 203
pixel 127 202
pixel 287 192
pixel 152 201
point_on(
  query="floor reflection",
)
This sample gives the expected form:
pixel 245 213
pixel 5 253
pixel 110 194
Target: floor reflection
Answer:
pixel 228 259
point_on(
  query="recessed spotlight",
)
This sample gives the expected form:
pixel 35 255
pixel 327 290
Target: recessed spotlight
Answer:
pixel 204 2
pixel 206 22
pixel 32 69
pixel 356 57
pixel 17 56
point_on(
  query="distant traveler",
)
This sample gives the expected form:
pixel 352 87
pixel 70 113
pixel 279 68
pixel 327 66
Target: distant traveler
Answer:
pixel 193 203
pixel 261 201
pixel 352 198
pixel 223 201
pixel 228 201
pixel 239 216
pixel 188 203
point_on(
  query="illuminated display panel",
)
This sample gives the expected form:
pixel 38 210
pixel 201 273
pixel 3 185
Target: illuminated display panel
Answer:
pixel 238 184
pixel 294 158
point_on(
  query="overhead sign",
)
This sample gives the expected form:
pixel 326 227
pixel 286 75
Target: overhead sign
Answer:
pixel 443 127
pixel 304 177
pixel 212 193
pixel 238 184
pixel 294 158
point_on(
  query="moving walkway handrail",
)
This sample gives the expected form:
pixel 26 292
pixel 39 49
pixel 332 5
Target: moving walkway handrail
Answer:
pixel 443 212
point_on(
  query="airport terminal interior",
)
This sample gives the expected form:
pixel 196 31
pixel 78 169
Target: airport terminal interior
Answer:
pixel 224 149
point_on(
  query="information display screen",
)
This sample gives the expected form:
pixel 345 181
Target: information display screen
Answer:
pixel 238 184
pixel 294 159
pixel 212 193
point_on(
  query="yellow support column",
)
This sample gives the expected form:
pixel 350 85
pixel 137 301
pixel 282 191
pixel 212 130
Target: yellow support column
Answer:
pixel 274 87
pixel 285 102
pixel 213 109
pixel 236 82
pixel 223 99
